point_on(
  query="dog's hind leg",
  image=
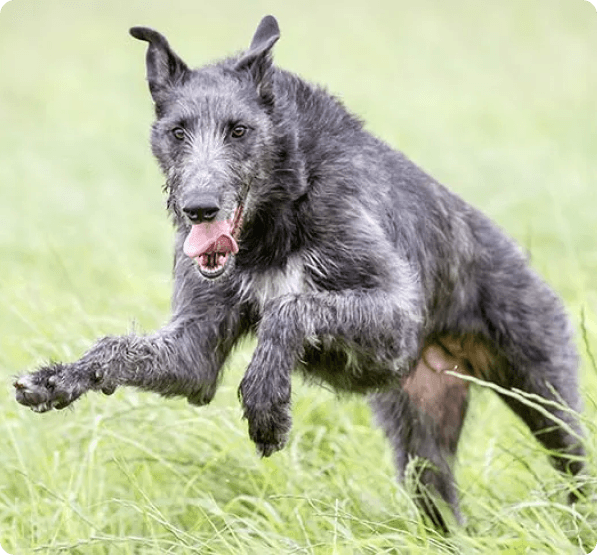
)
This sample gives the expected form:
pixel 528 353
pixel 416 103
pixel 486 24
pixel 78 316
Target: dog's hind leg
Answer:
pixel 423 423
pixel 556 427
pixel 535 336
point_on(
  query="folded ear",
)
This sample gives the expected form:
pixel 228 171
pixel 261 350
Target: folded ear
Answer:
pixel 258 59
pixel 164 67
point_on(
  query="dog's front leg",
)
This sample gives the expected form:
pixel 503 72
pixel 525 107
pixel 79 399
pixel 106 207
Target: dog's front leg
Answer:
pixel 183 358
pixel 386 324
pixel 265 387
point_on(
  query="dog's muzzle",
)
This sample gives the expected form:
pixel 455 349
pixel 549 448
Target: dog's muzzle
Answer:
pixel 211 243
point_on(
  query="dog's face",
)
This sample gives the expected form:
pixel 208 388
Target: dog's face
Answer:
pixel 213 140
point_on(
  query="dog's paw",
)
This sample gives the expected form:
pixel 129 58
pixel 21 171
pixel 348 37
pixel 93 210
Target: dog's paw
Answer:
pixel 269 427
pixel 46 389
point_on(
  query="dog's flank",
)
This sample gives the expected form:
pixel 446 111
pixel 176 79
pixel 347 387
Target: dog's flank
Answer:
pixel 346 260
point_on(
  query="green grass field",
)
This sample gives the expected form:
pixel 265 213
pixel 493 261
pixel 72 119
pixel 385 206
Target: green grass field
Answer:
pixel 496 99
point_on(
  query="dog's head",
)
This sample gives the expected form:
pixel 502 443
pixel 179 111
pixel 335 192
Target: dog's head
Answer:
pixel 213 137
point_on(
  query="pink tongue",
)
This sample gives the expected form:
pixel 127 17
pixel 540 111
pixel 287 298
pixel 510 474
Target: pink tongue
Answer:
pixel 210 237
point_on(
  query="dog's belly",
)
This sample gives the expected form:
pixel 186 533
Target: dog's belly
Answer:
pixel 347 369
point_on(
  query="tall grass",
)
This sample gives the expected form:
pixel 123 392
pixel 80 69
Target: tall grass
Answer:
pixel 497 100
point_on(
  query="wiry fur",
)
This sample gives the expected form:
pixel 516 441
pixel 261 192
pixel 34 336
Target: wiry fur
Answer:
pixel 354 266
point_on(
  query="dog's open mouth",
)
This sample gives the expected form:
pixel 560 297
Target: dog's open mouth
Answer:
pixel 212 243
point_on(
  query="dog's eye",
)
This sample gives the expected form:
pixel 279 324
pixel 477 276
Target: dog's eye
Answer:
pixel 178 133
pixel 238 131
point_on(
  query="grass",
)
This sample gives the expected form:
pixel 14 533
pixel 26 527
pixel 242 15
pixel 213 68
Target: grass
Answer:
pixel 494 99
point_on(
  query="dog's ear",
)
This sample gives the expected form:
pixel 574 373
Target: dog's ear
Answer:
pixel 257 60
pixel 164 68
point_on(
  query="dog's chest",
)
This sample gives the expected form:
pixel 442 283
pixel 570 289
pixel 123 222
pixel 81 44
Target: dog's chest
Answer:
pixel 263 287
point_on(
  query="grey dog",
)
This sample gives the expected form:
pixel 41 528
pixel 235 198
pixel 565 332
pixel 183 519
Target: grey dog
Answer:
pixel 348 262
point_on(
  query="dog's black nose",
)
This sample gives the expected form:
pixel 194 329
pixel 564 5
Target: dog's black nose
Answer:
pixel 199 212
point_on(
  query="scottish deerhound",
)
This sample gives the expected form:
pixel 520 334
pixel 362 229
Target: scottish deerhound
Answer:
pixel 346 260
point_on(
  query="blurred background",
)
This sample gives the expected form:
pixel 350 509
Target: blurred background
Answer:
pixel 497 100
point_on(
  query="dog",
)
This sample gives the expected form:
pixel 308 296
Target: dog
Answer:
pixel 346 260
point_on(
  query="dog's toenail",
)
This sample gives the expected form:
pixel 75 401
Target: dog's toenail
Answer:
pixel 108 389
